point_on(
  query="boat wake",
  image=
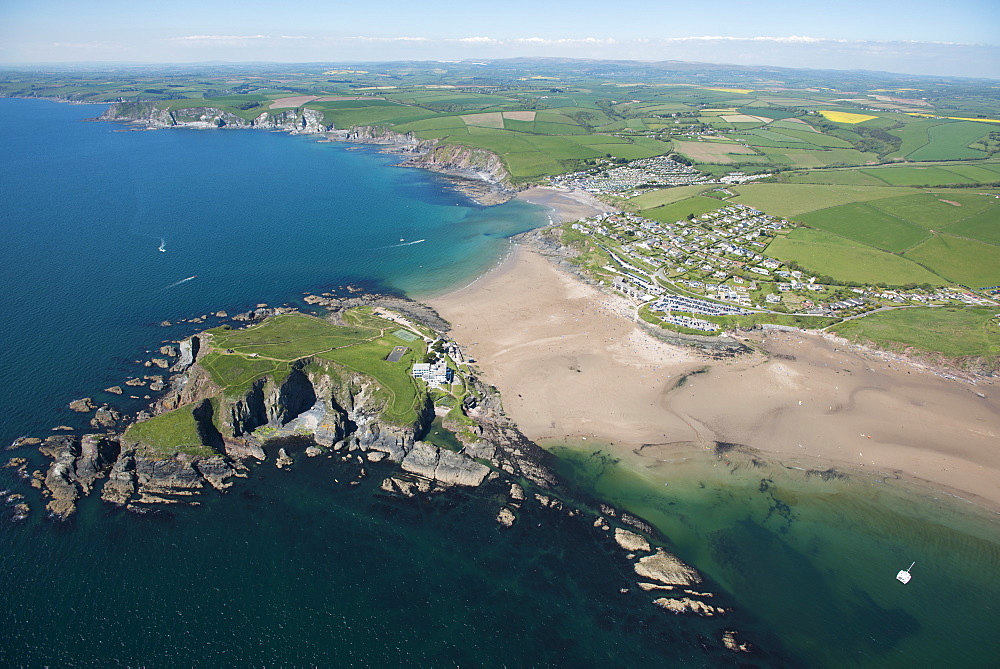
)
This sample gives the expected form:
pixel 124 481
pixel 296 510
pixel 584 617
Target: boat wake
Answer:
pixel 163 246
pixel 392 246
pixel 190 278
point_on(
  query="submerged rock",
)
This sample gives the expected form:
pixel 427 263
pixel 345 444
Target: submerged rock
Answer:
pixel 687 605
pixel 23 441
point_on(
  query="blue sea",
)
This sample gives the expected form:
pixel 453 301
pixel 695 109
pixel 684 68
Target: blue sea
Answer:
pixel 289 569
pixel 254 217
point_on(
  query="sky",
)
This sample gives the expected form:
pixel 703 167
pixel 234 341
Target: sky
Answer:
pixel 956 38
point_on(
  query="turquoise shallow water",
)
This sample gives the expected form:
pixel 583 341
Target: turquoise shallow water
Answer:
pixel 815 559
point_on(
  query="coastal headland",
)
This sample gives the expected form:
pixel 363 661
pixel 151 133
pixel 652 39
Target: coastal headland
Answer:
pixel 573 364
pixel 346 390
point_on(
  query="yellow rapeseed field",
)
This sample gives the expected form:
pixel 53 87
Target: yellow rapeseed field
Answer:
pixel 845 117
pixel 731 90
pixel 956 118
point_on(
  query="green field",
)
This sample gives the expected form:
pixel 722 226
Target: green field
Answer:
pixel 914 135
pixel 827 254
pixel 696 206
pixel 934 211
pixel 656 198
pixel 955 332
pixel 868 225
pixel 983 227
pixel 841 177
pixel 795 199
pixel 170 433
pixel 968 262
pixel 361 346
pixel 950 141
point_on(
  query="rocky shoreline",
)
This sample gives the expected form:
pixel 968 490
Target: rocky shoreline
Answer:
pixel 334 413
pixel 477 173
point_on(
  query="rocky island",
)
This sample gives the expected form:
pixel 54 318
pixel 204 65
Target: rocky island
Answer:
pixel 295 387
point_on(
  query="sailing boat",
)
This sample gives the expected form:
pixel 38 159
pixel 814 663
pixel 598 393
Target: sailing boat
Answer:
pixel 904 574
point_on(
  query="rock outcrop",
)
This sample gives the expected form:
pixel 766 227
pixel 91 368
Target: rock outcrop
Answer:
pixel 297 121
pixel 688 605
pixel 444 466
pixel 77 462
pixel 665 568
pixel 320 408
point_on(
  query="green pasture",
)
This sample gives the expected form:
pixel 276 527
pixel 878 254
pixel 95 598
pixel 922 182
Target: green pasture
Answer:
pixel 965 261
pixel 819 139
pixel 931 211
pixel 917 176
pixel 656 198
pixel 170 433
pixel 359 116
pixel 796 199
pixel 828 254
pixel 670 213
pixel 983 227
pixel 835 178
pixel 289 337
pixel 768 112
pixel 950 141
pixel 955 332
pixel 982 173
pixel 866 224
pixel 914 135
pixel 531 164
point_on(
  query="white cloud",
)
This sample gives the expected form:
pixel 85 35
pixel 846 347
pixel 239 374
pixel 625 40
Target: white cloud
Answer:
pixel 475 40
pixel 566 41
pixel 215 38
pixel 362 38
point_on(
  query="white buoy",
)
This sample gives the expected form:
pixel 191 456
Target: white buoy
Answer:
pixel 904 574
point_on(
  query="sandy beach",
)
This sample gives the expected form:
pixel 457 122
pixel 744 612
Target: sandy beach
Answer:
pixel 572 364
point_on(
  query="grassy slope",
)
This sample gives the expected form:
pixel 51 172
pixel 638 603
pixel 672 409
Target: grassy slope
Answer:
pixel 795 199
pixel 280 341
pixel 955 332
pixel 965 261
pixel 868 225
pixel 170 433
pixel 831 255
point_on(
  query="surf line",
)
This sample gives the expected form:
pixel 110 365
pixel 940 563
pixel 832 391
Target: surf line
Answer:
pixel 392 246
pixel 190 278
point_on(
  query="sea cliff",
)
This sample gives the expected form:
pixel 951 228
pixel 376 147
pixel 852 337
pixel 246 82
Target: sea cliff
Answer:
pixel 222 417
pixel 478 173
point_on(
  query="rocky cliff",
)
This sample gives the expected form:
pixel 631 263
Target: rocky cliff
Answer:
pixel 299 121
pixel 478 173
pixel 318 408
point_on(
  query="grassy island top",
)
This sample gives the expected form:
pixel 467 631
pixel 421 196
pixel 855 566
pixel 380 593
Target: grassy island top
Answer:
pixel 238 358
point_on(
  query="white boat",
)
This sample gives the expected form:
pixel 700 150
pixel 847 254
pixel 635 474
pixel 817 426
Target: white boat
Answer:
pixel 904 574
